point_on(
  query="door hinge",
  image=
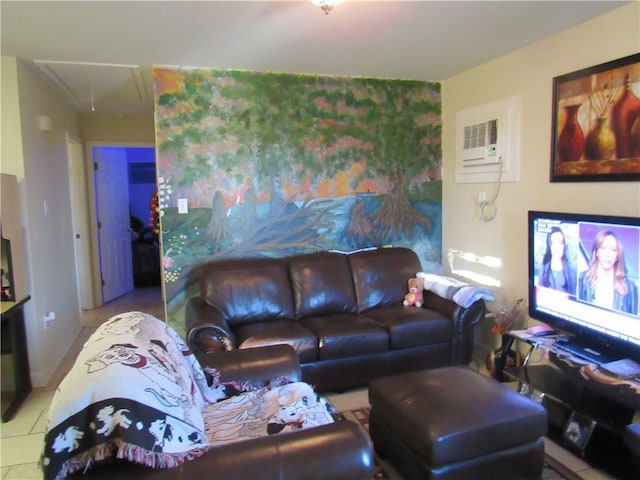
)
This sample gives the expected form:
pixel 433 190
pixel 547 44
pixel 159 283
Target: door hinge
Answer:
pixel 102 282
pixel 99 225
pixel 95 165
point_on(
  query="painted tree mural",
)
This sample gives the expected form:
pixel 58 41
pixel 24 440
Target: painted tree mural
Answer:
pixel 400 129
pixel 276 163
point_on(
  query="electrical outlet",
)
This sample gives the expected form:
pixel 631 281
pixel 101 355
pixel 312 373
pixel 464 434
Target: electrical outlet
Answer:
pixel 48 318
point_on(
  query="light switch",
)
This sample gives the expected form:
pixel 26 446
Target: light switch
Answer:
pixel 183 205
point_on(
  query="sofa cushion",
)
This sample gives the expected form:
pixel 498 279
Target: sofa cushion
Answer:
pixel 322 284
pixel 303 340
pixel 412 326
pixel 346 335
pixel 248 290
pixel 380 276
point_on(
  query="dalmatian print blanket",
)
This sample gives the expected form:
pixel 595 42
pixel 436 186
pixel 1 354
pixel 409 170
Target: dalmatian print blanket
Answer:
pixel 168 416
pixel 265 411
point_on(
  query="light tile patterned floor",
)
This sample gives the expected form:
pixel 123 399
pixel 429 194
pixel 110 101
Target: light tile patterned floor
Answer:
pixel 21 439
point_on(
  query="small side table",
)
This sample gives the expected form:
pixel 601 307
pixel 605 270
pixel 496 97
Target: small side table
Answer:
pixel 16 375
pixel 534 343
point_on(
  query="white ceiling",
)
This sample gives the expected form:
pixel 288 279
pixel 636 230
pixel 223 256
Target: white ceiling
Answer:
pixel 100 53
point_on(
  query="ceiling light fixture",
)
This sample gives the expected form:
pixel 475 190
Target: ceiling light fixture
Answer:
pixel 325 5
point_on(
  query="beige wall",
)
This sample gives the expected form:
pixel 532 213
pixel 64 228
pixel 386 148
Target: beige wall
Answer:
pixel 120 129
pixel 528 73
pixel 11 136
pixel 12 167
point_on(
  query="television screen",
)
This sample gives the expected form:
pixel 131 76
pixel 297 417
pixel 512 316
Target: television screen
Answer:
pixel 583 279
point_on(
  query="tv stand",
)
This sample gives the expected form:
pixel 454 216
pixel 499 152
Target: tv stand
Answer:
pixel 588 410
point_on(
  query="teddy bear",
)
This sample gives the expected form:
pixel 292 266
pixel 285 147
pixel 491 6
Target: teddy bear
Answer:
pixel 414 297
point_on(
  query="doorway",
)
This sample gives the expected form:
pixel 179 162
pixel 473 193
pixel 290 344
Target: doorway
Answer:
pixel 121 192
pixel 80 221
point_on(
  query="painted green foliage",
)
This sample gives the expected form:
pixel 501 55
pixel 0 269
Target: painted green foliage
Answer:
pixel 286 127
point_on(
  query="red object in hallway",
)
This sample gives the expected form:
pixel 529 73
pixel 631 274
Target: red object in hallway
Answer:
pixel 154 220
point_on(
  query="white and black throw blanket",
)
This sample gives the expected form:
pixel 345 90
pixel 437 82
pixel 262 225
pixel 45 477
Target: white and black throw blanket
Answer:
pixel 459 292
pixel 265 411
pixel 137 393
pixel 132 393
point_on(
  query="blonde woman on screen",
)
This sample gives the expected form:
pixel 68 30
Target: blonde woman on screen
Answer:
pixel 605 282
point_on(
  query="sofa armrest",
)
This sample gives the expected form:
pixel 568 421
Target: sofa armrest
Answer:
pixel 207 331
pixel 258 365
pixel 337 451
pixel 464 321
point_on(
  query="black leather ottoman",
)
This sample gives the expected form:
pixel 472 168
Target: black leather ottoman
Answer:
pixel 453 422
pixel 631 438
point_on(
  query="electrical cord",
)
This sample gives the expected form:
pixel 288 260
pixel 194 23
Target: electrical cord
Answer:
pixel 488 209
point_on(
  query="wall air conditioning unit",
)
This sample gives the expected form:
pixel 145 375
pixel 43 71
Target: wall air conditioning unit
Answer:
pixel 480 144
pixel 488 143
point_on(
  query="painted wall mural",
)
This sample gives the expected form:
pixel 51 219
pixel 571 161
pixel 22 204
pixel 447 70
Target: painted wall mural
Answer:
pixel 271 164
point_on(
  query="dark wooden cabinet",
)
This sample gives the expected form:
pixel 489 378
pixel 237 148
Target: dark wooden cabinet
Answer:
pixel 16 377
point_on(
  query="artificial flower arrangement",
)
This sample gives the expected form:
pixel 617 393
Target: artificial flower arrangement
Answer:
pixel 505 318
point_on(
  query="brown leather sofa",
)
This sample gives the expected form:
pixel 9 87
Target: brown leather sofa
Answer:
pixel 336 451
pixel 342 313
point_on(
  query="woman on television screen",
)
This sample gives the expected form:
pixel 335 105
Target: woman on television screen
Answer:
pixel 555 271
pixel 605 282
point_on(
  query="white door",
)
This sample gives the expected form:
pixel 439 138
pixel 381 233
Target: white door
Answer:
pixel 80 221
pixel 114 236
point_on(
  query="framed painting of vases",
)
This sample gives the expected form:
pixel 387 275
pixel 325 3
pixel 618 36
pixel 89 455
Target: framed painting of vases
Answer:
pixel 595 133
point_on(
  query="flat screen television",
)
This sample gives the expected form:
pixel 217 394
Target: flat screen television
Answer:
pixel 583 282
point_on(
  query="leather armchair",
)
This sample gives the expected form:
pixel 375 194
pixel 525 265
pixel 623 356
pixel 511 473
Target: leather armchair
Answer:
pixel 338 451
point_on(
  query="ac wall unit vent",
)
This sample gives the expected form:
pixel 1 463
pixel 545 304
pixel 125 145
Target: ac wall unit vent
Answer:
pixel 480 144
pixel 488 142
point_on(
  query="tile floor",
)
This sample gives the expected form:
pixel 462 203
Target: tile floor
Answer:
pixel 21 438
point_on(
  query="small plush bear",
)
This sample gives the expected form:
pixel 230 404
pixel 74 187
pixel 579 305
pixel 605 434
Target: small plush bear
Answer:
pixel 414 297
